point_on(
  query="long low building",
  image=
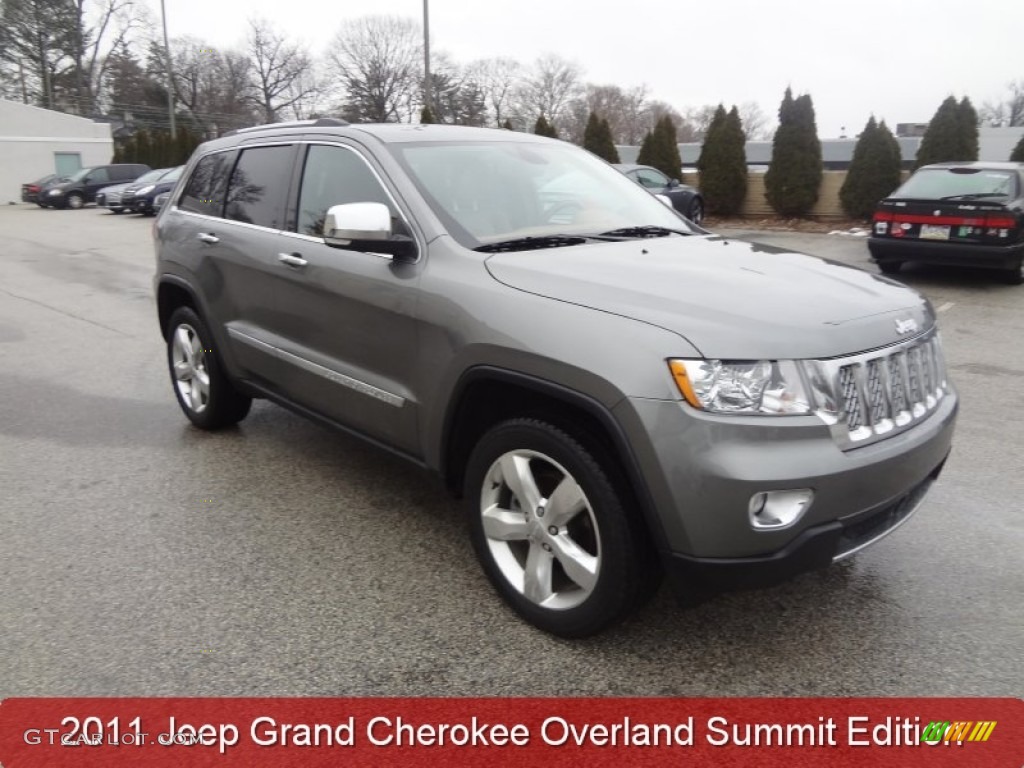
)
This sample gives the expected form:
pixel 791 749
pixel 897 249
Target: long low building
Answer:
pixel 836 154
pixel 35 142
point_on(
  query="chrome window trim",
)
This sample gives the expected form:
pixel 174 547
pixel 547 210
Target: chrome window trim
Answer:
pixel 330 374
pixel 420 242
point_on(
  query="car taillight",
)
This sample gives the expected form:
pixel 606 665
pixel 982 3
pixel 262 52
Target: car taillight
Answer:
pixel 880 225
pixel 1000 222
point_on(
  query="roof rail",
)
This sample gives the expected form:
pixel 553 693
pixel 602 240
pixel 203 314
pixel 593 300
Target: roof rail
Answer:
pixel 318 123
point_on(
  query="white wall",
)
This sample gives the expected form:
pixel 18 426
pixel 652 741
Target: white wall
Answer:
pixel 29 137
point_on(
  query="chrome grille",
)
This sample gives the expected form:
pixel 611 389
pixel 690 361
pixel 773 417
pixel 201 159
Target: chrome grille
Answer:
pixel 881 393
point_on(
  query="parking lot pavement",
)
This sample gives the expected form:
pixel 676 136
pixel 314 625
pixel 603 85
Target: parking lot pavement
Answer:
pixel 139 556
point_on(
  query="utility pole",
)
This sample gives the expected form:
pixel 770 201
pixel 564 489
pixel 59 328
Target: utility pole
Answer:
pixel 428 91
pixel 170 76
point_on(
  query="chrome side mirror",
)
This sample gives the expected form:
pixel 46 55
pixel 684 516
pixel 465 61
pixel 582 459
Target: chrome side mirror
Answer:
pixel 357 221
pixel 366 227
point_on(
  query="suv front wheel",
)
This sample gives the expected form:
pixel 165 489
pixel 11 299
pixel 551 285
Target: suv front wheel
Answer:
pixel 550 529
pixel 204 393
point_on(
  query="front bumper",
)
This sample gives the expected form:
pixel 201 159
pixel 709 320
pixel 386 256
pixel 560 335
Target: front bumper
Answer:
pixel 702 471
pixel 889 249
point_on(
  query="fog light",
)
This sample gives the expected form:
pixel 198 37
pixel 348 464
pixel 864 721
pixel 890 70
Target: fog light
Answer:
pixel 772 510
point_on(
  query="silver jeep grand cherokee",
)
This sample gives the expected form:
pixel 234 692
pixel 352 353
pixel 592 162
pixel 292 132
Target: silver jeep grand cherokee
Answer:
pixel 615 392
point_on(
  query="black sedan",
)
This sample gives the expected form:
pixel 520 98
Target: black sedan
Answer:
pixel 962 214
pixel 685 199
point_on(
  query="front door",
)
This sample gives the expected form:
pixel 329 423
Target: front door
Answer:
pixel 347 319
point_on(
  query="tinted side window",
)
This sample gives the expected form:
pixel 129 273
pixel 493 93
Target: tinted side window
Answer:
pixel 98 176
pixel 334 176
pixel 259 186
pixel 205 188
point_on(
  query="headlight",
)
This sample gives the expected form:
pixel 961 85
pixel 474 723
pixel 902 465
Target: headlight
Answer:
pixel 145 190
pixel 53 192
pixel 768 387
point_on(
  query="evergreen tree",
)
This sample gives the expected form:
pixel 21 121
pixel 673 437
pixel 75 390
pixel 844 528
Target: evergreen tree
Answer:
pixel 611 153
pixel 723 163
pixel 1017 156
pixel 952 134
pixel 597 138
pixel 426 116
pixel 660 150
pixel 794 175
pixel 646 155
pixel 968 128
pixel 874 171
pixel 590 133
pixel 543 128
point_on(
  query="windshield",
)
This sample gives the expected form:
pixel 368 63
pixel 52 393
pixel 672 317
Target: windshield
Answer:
pixel 491 192
pixel 173 175
pixel 952 183
pixel 79 175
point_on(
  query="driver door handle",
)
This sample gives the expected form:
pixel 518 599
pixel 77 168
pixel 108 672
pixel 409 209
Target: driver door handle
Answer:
pixel 292 259
pixel 206 237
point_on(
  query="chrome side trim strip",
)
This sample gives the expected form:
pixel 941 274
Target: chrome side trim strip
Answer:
pixel 331 375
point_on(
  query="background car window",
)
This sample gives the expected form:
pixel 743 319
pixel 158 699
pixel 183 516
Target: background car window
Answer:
pixel 651 179
pixel 98 176
pixel 335 176
pixel 259 185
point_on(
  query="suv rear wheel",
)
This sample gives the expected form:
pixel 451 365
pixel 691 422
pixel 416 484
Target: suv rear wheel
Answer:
pixel 550 530
pixel 204 393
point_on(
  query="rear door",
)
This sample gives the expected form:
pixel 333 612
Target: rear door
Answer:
pixel 241 257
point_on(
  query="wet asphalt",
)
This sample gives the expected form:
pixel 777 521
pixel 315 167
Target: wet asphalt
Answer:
pixel 140 556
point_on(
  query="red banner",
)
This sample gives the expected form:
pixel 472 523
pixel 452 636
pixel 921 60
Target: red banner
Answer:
pixel 900 733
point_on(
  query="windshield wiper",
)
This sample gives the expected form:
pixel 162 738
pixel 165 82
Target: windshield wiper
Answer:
pixel 974 195
pixel 649 230
pixel 533 243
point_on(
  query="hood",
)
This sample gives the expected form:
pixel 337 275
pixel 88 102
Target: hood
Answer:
pixel 729 298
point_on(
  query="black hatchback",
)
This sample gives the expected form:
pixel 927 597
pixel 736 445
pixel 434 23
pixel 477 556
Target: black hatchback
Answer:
pixel 962 214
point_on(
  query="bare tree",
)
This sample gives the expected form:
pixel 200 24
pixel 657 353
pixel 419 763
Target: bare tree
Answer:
pixel 1010 111
pixel 498 77
pixel 625 111
pixel 756 125
pixel 378 60
pixel 686 129
pixel 280 71
pixel 214 86
pixel 548 90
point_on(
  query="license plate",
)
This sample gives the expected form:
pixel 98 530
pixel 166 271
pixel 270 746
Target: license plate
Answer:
pixel 934 232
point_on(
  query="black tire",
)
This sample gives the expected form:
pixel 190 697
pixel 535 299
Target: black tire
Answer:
pixel 116 210
pixel 696 211
pixel 890 267
pixel 222 405
pixel 74 201
pixel 599 540
pixel 1014 275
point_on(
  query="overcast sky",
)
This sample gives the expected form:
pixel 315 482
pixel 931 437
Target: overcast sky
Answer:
pixel 897 59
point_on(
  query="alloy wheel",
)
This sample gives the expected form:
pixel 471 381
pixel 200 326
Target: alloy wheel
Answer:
pixel 540 529
pixel 191 376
